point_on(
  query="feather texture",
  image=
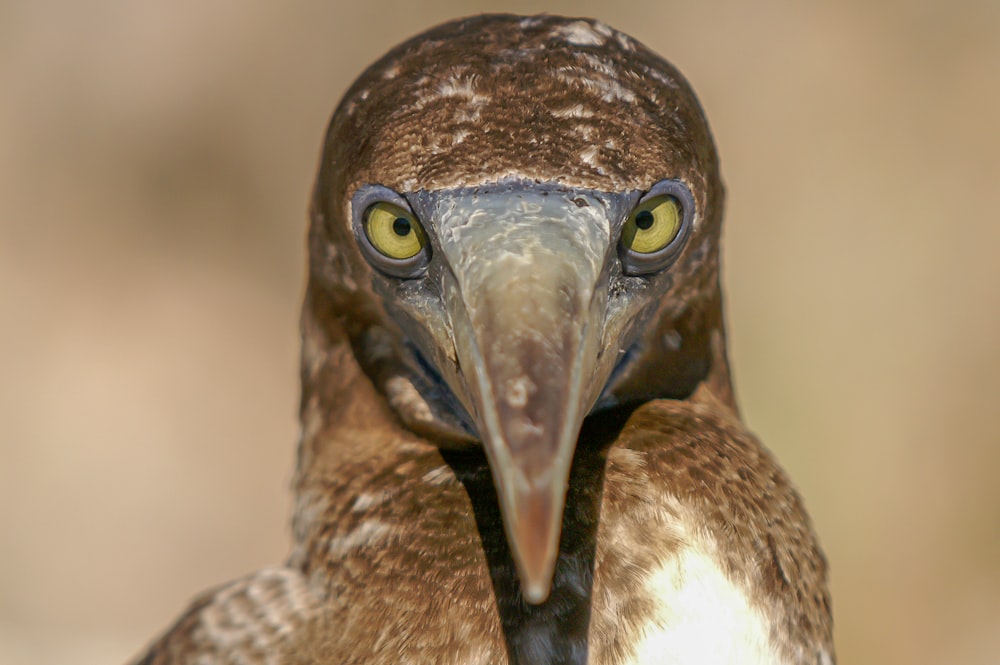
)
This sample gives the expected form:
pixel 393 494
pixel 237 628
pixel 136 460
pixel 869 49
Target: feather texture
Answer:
pixel 682 540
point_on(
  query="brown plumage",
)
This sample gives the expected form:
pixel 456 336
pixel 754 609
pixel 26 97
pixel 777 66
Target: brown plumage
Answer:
pixel 681 538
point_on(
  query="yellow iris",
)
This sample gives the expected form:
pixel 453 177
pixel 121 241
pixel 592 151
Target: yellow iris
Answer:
pixel 652 225
pixel 394 231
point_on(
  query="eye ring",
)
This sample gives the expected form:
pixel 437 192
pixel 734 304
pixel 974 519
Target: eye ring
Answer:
pixel 389 234
pixel 655 231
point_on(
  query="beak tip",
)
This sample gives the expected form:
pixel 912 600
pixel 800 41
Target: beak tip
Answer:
pixel 536 570
pixel 536 591
pixel 535 541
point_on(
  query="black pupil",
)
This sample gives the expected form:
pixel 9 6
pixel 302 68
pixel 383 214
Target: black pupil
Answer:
pixel 644 219
pixel 401 226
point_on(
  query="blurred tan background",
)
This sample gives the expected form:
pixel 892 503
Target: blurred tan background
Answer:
pixel 155 164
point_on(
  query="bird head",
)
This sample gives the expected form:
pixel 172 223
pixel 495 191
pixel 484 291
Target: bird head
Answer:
pixel 515 225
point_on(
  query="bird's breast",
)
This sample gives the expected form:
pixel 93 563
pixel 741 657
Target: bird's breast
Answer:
pixel 677 547
pixel 688 611
pixel 663 592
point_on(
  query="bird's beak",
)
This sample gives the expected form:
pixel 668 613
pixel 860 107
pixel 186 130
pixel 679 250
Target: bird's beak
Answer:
pixel 527 301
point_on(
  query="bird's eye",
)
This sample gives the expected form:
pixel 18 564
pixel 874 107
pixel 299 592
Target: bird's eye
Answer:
pixel 654 233
pixel 653 225
pixel 393 232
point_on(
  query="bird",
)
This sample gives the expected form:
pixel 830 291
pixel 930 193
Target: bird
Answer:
pixel 520 441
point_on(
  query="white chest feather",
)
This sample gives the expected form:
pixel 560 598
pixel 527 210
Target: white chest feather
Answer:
pixel 701 617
